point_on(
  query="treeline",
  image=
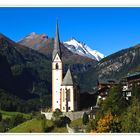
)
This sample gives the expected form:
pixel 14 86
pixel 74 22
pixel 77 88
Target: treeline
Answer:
pixel 9 102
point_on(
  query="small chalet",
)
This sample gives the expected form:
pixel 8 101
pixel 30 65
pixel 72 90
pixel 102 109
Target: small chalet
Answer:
pixel 93 110
pixel 133 79
pixel 128 83
pixel 104 87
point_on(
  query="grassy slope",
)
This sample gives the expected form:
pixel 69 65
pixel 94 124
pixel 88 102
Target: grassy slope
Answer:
pixel 60 130
pixel 77 122
pixel 7 114
pixel 33 125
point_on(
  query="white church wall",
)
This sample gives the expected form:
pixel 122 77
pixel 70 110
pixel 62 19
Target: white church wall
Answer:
pixel 71 102
pixel 63 100
pixel 56 90
pixel 56 82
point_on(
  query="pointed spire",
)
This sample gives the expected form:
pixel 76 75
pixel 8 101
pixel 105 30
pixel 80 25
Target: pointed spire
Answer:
pixel 56 45
pixel 57 48
pixel 68 79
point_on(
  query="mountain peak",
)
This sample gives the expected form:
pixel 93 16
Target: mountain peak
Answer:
pixel 30 38
pixel 72 38
pixel 82 49
pixel 32 34
pixel 44 35
pixel 37 41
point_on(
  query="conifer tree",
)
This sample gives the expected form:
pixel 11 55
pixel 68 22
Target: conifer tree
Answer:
pixel 85 118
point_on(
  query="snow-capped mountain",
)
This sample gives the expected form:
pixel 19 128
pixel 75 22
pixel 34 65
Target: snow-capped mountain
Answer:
pixel 82 49
pixel 42 41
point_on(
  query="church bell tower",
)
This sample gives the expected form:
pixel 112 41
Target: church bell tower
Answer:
pixel 56 72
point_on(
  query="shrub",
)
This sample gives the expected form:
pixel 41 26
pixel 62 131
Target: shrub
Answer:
pixel 16 120
pixel 62 121
pixel 85 118
pixel 57 114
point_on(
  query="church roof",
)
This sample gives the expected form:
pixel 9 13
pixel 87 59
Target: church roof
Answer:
pixel 57 48
pixel 68 79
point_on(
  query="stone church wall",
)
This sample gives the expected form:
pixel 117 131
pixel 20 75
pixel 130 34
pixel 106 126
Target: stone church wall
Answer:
pixel 48 115
pixel 71 115
pixel 74 115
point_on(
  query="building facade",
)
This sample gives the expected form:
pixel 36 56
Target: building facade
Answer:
pixel 105 86
pixel 64 91
pixel 128 82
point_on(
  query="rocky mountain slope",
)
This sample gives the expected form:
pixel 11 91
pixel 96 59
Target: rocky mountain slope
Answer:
pixel 42 43
pixel 114 66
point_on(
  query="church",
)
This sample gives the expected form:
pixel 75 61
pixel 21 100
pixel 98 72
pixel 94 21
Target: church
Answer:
pixel 65 93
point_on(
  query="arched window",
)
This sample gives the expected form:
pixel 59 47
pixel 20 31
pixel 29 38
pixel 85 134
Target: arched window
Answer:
pixel 56 66
pixel 63 95
pixel 68 94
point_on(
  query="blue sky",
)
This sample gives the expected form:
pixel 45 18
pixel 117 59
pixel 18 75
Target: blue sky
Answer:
pixel 107 30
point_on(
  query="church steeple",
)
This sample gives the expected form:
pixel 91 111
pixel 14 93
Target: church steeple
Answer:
pixel 64 92
pixel 57 48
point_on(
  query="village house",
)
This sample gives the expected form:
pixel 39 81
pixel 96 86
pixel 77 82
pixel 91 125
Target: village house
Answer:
pixel 128 82
pixel 104 87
